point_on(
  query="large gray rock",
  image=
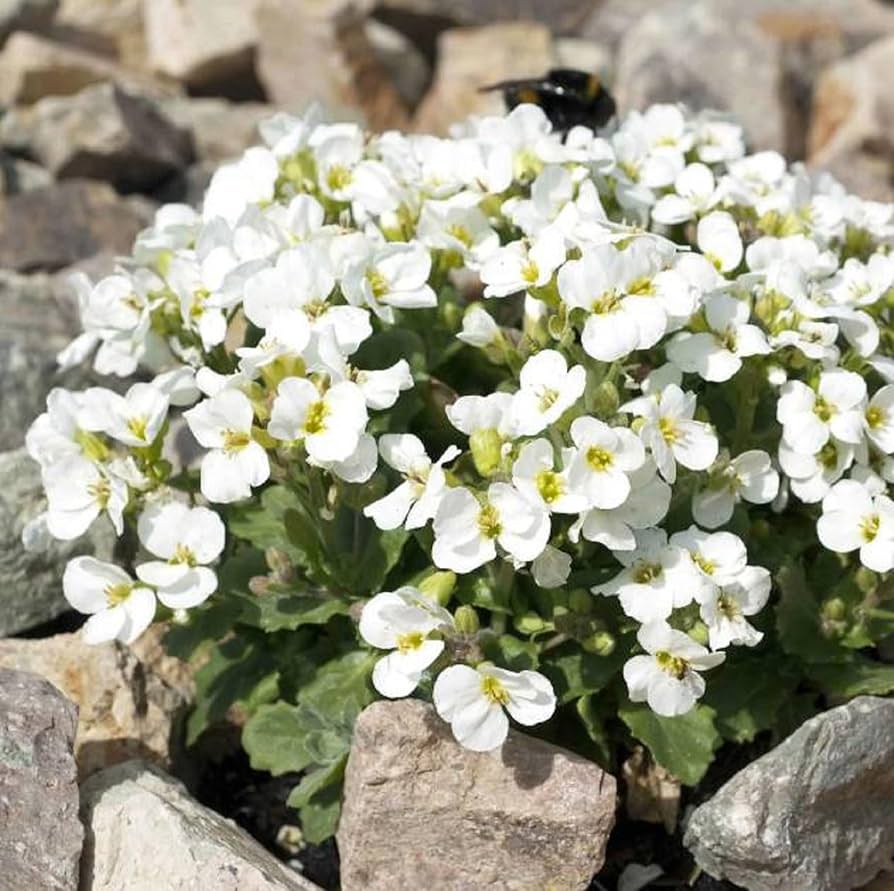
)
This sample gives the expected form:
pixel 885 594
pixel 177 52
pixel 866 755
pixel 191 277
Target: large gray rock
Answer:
pixel 470 58
pixel 813 814
pixel 126 710
pixel 101 132
pixel 31 581
pixel 850 130
pixel 53 227
pixel 40 835
pixel 145 833
pixel 420 811
pixel 25 15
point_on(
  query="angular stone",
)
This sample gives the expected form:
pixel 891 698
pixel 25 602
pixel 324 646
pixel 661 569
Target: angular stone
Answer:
pixel 19 175
pixel 30 581
pixel 39 827
pixel 200 42
pixel 140 821
pixel 320 51
pixel 422 812
pixel 471 58
pixel 406 66
pixel 850 130
pixel 126 710
pixel 116 23
pixel 47 229
pixel 104 133
pixel 813 814
pixel 25 15
pixel 221 130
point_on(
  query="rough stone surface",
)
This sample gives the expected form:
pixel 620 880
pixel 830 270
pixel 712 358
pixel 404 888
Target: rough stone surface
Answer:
pixel 30 588
pixel 200 42
pixel 852 129
pixel 140 821
pixel 40 835
pixel 53 227
pixel 19 175
pixel 221 130
pixel 126 709
pixel 422 812
pixel 25 15
pixel 813 814
pixel 404 63
pixel 104 133
pixel 469 58
pixel 320 51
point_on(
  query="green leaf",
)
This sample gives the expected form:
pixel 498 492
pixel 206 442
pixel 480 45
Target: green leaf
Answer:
pixel 798 619
pixel 859 678
pixel 340 688
pixel 319 817
pixel 574 672
pixel 594 723
pixel 277 612
pixel 683 745
pixel 317 780
pixel 275 739
pixel 510 652
pixel 262 522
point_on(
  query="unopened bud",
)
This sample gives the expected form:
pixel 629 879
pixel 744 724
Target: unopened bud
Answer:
pixel 601 643
pixel 259 584
pixel 487 450
pixel 530 623
pixel 699 633
pixel 439 586
pixel 834 609
pixel 605 399
pixel 580 601
pixel 466 620
pixel 866 579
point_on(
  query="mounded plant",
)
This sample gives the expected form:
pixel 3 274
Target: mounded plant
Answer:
pixel 590 432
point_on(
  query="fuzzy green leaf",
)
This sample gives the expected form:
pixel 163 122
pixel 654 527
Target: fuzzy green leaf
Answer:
pixel 859 678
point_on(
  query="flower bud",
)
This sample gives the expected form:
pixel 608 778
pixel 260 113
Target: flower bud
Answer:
pixel 601 643
pixel 580 601
pixel 866 579
pixel 530 623
pixel 439 586
pixel 834 609
pixel 605 399
pixel 487 450
pixel 466 620
pixel 699 633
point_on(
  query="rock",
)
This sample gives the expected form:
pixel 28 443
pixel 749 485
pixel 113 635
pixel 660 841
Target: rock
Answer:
pixel 19 175
pixel 25 15
pixel 56 226
pixel 320 51
pixel 404 63
pixel 32 67
pixel 30 589
pixel 585 55
pixel 126 710
pixel 470 58
pixel 188 186
pixel 103 133
pixel 813 814
pixel 422 812
pixel 117 23
pixel 850 129
pixel 221 130
pixel 200 42
pixel 138 820
pixel 39 824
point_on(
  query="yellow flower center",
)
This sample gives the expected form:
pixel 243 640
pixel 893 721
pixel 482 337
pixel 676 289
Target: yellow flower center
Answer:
pixel 673 665
pixel 599 459
pixel 183 555
pixel 461 234
pixel 869 527
pixel 137 426
pixel 377 282
pixel 493 690
pixel 197 307
pixel 828 456
pixel 235 440
pixel 605 303
pixel 641 287
pixel 548 398
pixel 117 594
pixel 315 419
pixel 703 563
pixel 338 177
pixel 489 521
pixel 668 430
pixel 100 491
pixel 549 485
pixel 875 417
pixel 412 640
pixel 823 410
pixel 727 606
pixel 630 170
pixel 646 573
pixel 529 272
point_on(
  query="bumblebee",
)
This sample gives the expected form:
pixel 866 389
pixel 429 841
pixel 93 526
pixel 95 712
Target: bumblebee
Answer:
pixel 568 97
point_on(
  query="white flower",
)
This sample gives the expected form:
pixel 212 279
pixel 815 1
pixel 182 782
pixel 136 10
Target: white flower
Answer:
pixel 552 568
pixel 718 239
pixel 547 389
pixel 136 418
pixel 119 608
pixel 415 501
pixel 186 539
pixel 535 476
pixel 78 491
pixel 694 193
pixel 329 424
pixel 521 265
pixel 717 558
pixel 457 224
pixel 467 531
pixel 479 327
pixel 236 463
pixel 670 433
pixel 748 477
pixel 852 518
pixel 235 186
pixel 879 419
pixel 811 476
pixel 605 455
pixel 402 621
pixel 668 677
pixel 809 418
pixel 470 414
pixel 473 700
pixel 724 609
pixel 716 355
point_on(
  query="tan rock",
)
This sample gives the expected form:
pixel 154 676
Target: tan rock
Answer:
pixel 116 23
pixel 652 793
pixel 126 710
pixel 200 42
pixel 319 50
pixel 852 127
pixel 422 812
pixel 145 833
pixel 471 58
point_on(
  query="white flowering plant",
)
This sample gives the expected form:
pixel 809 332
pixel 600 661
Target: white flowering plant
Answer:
pixel 590 432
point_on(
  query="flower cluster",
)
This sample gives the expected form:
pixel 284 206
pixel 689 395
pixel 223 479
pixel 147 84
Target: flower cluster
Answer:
pixel 576 355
